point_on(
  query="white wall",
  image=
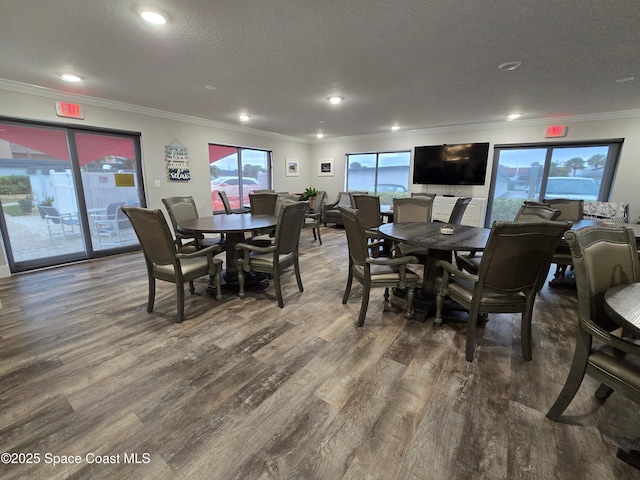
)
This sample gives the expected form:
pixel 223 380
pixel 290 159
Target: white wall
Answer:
pixel 625 187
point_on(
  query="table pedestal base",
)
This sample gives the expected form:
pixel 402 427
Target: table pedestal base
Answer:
pixel 252 281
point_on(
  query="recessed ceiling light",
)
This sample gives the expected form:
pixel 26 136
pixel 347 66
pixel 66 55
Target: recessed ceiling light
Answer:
pixel 210 87
pixel 625 80
pixel 243 117
pixel 395 128
pixel 154 18
pixel 509 65
pixel 319 135
pixel 70 77
pixel 335 100
pixel 513 116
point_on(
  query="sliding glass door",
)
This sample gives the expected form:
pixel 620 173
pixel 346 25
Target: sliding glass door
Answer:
pixel 61 189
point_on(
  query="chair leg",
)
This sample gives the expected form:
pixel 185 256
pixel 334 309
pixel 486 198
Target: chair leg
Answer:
pixel 276 281
pixel 192 288
pixel 525 333
pixel 574 379
pixel 347 290
pixel 439 306
pixel 218 282
pixel 319 237
pixel 152 293
pixel 180 294
pixel 386 294
pixel 296 268
pixel 366 289
pixel 471 335
pixel 410 294
pixel 603 392
pixel 241 282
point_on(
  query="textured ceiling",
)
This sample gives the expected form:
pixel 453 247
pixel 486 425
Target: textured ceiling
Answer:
pixel 418 63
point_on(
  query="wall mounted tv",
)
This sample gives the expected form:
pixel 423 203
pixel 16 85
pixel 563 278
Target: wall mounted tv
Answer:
pixel 460 164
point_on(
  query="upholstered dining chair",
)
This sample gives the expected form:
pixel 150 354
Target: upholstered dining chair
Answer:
pixel 184 208
pixel 528 212
pixel 278 256
pixel 603 257
pixel 412 209
pixel 572 210
pixel 374 272
pixel 165 261
pixel 368 207
pixel 331 211
pixel 516 256
pixel 228 209
pixel 313 218
pixel 423 194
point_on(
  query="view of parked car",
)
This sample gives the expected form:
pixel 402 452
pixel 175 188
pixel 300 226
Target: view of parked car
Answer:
pixel 578 188
pixel 230 185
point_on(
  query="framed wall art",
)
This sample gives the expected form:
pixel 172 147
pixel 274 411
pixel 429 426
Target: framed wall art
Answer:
pixel 291 168
pixel 325 168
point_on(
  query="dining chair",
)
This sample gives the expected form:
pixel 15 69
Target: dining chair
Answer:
pixel 278 256
pixel 572 210
pixel 368 207
pixel 263 203
pixel 412 209
pixel 181 208
pixel 227 205
pixel 374 272
pixel 313 218
pixel 603 257
pixel 516 256
pixel 423 194
pixel 528 212
pixel 166 262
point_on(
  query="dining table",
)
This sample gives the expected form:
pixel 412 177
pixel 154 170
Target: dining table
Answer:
pixel 234 227
pixel 440 240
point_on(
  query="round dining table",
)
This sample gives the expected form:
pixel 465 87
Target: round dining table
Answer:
pixel 439 247
pixel 234 227
pixel 622 303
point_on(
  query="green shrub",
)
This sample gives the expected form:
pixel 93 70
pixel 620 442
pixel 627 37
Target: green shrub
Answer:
pixel 505 209
pixel 26 204
pixel 15 185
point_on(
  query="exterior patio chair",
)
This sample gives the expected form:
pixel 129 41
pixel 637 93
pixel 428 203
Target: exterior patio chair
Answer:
pixel 61 223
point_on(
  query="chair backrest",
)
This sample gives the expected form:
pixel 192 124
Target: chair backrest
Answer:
pixel 458 210
pixel 112 210
pixel 531 213
pixel 422 194
pixel 569 209
pixel 52 213
pixel 264 190
pixel 263 203
pixel 343 200
pixel 602 257
pixel 321 199
pixel 153 234
pixel 225 202
pixel 412 209
pixel 290 220
pixel 368 207
pixel 356 237
pixel 517 254
pixel 180 209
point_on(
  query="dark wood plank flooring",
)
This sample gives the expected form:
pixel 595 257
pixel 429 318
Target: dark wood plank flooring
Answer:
pixel 245 390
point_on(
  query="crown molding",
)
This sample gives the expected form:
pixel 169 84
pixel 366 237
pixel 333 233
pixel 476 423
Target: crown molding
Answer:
pixel 18 87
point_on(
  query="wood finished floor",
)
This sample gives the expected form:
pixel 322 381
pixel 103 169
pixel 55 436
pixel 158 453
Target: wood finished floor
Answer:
pixel 245 390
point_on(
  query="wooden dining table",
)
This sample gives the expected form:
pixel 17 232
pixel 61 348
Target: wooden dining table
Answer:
pixel 622 303
pixel 234 226
pixel 439 247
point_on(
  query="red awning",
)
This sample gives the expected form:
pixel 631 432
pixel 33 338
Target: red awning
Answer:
pixel 217 152
pixel 92 147
pixel 46 140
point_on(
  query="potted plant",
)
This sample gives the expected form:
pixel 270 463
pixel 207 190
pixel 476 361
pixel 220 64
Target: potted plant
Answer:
pixel 310 193
pixel 47 202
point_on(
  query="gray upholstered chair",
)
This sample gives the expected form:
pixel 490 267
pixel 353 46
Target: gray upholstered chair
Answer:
pixel 331 211
pixel 368 207
pixel 602 258
pixel 516 257
pixel 373 272
pixel 263 203
pixel 227 205
pixel 164 260
pixel 278 256
pixel 184 208
pixel 412 209
pixel 423 194
pixel 313 218
pixel 528 212
pixel 572 210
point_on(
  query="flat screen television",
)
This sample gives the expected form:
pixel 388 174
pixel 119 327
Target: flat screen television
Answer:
pixel 460 164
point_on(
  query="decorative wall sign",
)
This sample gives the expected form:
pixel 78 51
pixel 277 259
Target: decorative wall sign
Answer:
pixel 325 168
pixel 291 168
pixel 177 158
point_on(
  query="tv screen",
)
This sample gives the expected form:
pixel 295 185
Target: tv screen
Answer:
pixel 461 164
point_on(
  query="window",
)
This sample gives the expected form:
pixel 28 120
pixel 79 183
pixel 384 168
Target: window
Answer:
pixel 237 171
pixel 385 174
pixel 560 170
